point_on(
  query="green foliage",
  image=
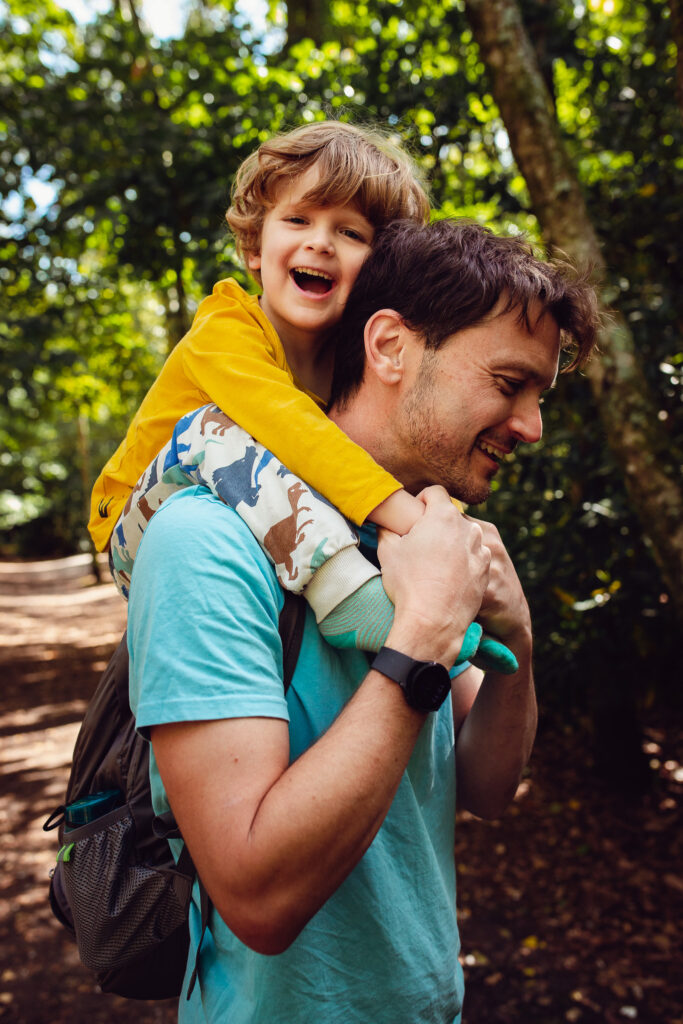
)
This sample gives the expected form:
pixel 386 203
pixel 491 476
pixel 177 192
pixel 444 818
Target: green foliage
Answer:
pixel 606 625
pixel 138 139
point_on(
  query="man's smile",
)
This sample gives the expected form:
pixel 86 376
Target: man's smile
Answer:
pixel 491 451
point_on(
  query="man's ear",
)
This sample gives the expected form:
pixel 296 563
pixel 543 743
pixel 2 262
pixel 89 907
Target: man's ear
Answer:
pixel 385 337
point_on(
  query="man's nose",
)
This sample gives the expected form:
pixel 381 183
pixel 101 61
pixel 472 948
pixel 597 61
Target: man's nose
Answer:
pixel 526 422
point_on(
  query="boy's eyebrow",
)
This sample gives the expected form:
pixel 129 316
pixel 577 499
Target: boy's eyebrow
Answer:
pixel 303 203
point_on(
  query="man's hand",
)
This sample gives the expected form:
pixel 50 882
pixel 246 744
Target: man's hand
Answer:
pixel 504 611
pixel 495 717
pixel 436 575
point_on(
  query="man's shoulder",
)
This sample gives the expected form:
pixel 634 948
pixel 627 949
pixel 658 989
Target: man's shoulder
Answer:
pixel 192 512
pixel 202 618
pixel 195 533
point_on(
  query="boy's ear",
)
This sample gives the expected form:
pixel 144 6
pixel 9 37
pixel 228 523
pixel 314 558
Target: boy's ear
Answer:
pixel 254 261
pixel 385 345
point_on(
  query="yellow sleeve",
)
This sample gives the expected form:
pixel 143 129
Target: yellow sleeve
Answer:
pixel 251 382
pixel 233 357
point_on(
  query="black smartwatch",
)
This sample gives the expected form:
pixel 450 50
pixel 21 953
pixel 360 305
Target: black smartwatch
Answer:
pixel 425 684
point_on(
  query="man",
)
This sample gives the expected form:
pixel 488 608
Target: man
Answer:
pixel 322 825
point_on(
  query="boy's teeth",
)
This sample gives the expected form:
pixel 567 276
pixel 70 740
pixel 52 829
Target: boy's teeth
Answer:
pixel 315 281
pixel 313 273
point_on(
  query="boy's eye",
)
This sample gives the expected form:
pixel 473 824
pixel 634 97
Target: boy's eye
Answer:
pixel 295 219
pixel 355 235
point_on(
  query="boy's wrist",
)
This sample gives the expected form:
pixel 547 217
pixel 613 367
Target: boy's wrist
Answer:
pixel 398 513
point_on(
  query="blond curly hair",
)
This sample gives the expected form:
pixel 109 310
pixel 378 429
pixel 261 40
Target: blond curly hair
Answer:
pixel 357 165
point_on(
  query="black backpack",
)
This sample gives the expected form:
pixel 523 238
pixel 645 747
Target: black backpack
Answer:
pixel 116 887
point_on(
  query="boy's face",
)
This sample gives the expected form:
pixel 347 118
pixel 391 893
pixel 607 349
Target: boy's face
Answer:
pixel 309 259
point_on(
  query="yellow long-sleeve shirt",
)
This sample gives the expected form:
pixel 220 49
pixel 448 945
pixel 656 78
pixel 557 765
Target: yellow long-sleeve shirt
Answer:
pixel 232 356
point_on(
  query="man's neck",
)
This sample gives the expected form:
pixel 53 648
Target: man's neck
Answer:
pixel 363 425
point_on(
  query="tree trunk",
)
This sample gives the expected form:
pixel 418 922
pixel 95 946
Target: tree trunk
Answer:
pixel 305 20
pixel 87 482
pixel 626 406
pixel 176 315
pixel 677 33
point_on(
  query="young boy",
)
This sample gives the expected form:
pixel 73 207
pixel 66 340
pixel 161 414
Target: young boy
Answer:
pixel 305 209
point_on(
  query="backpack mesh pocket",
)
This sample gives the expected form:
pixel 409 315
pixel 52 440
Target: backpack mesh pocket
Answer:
pixel 120 908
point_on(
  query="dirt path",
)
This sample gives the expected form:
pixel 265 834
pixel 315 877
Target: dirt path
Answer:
pixel 57 631
pixel 570 907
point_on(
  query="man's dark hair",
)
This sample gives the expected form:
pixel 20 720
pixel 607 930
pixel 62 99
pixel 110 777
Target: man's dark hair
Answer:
pixel 448 275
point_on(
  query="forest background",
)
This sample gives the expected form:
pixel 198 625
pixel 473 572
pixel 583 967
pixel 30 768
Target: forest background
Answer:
pixel 558 119
pixel 555 118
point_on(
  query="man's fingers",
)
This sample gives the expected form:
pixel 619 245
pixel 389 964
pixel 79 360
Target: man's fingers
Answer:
pixel 386 538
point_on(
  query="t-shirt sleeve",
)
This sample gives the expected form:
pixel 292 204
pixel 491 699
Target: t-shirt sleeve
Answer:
pixel 203 618
pixel 242 369
pixel 457 670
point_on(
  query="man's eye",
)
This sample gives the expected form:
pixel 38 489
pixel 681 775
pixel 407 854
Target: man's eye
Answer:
pixel 509 386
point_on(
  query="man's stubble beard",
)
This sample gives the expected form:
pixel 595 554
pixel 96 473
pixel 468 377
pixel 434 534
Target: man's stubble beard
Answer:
pixel 442 459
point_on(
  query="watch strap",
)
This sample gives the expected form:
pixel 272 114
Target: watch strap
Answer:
pixel 393 664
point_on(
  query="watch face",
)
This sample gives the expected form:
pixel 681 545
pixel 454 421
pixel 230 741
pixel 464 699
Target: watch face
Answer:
pixel 427 686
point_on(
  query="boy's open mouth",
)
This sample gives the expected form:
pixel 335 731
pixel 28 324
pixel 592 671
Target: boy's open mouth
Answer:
pixel 315 281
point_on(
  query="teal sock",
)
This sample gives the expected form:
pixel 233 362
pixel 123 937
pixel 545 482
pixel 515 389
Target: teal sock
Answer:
pixel 494 655
pixel 362 620
pixel 470 643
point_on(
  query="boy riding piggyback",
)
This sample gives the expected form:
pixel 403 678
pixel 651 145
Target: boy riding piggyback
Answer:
pixel 305 209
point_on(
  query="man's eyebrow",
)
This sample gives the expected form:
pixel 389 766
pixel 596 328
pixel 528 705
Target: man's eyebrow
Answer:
pixel 524 370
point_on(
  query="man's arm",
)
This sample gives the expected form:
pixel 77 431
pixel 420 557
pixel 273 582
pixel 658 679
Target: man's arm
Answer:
pixel 271 842
pixel 495 715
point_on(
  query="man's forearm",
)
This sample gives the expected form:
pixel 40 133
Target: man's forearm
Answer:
pixel 270 864
pixel 495 741
pixel 328 806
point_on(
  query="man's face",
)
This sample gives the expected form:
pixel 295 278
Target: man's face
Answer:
pixel 309 259
pixel 472 401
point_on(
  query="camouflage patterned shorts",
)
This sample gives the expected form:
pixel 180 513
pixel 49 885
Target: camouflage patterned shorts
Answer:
pixel 297 528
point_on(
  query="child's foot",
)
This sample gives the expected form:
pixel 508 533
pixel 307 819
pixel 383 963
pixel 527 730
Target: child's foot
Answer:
pixel 362 620
pixel 470 643
pixel 494 655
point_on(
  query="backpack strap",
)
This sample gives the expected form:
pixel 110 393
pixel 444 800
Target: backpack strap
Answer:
pixel 291 626
pixel 205 908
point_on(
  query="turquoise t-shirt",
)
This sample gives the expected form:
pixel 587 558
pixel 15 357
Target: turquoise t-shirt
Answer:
pixel 204 644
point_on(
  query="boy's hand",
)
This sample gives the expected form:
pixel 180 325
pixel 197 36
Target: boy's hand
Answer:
pixel 436 576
